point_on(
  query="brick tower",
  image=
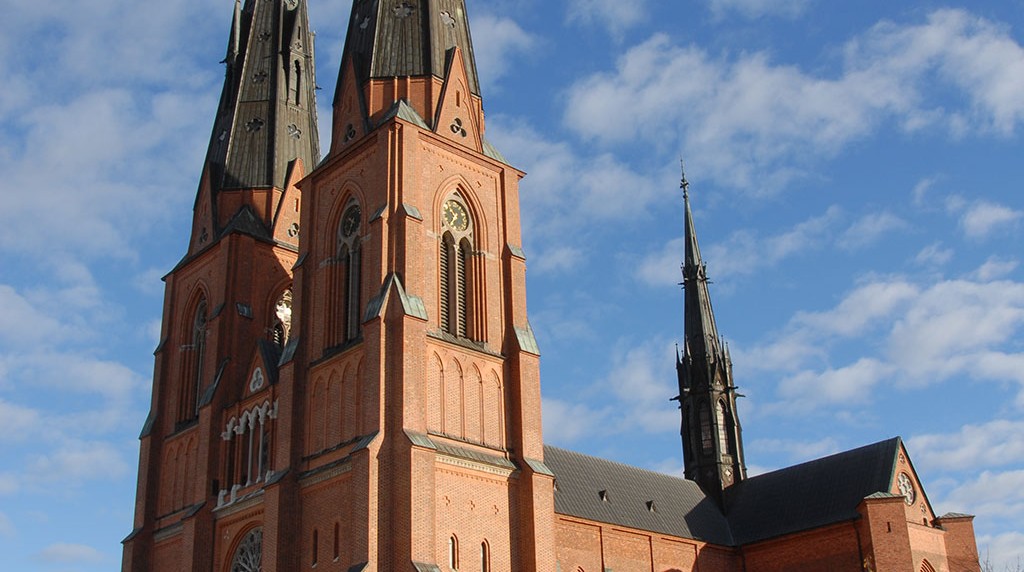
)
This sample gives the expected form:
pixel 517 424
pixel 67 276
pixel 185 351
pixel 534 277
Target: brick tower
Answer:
pixel 367 397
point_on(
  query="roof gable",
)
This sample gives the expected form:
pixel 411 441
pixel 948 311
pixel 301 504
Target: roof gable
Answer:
pixel 814 494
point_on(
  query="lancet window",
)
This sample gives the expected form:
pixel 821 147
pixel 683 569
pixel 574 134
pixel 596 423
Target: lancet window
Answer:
pixel 194 353
pixel 458 272
pixel 346 278
pixel 249 555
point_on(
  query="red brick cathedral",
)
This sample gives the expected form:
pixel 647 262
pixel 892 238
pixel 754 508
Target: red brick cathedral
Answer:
pixel 348 381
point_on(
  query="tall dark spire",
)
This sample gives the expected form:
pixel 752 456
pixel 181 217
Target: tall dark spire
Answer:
pixel 712 436
pixel 267 113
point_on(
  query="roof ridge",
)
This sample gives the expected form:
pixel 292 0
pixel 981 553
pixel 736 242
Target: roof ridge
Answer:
pixel 892 440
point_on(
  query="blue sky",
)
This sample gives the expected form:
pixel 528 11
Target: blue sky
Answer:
pixel 856 179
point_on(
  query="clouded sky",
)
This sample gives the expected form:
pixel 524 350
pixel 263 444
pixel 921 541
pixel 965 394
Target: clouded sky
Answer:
pixel 856 179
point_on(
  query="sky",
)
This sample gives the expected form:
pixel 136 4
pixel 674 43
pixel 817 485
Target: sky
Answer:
pixel 856 180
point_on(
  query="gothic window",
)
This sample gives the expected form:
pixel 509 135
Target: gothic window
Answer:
pixel 295 87
pixel 453 553
pixel 337 541
pixel 723 435
pixel 249 555
pixel 316 546
pixel 457 272
pixel 281 330
pixel 707 441
pixel 346 279
pixel 194 352
pixel 485 557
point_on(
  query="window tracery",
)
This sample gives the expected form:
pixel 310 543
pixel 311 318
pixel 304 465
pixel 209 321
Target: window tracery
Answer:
pixel 249 555
pixel 194 354
pixel 346 278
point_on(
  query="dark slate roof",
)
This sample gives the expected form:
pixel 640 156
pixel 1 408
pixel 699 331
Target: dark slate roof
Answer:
pixel 680 508
pixel 814 494
pixel 267 112
pixel 408 39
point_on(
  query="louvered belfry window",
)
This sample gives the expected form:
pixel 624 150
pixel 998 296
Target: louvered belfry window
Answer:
pixel 457 272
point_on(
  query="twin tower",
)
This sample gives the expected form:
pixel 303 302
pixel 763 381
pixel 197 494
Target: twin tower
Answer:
pixel 346 376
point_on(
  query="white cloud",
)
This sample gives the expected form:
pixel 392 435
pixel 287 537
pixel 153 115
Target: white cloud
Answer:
pixel 851 384
pixel 995 268
pixel 746 253
pixel 934 255
pixel 997 443
pixel 984 218
pixel 496 40
pixel 920 191
pixel 566 423
pixel 993 494
pixel 756 124
pixel 927 335
pixel 870 229
pixel 633 397
pixel 17 423
pixel 558 259
pixel 1005 552
pixel 65 553
pixel 615 15
pixel 757 8
pixel 76 461
pixel 565 190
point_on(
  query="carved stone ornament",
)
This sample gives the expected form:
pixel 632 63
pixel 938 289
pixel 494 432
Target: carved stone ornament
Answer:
pixel 257 381
pixel 249 556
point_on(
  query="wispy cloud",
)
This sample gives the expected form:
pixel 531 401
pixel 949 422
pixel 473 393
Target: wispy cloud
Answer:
pixel 984 218
pixel 755 124
pixel 497 41
pixel 997 443
pixel 757 8
pixel 614 15
pixel 870 229
pixel 67 553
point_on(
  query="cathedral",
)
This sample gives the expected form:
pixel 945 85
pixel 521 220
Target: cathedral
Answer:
pixel 347 379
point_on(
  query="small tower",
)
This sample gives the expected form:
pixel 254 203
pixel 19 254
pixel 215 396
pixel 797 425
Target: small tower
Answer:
pixel 712 437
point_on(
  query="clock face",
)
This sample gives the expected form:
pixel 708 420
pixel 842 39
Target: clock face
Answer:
pixel 455 216
pixel 906 488
pixel 350 223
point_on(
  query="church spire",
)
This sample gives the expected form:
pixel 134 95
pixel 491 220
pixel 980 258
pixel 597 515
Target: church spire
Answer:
pixel 406 53
pixel 712 436
pixel 266 119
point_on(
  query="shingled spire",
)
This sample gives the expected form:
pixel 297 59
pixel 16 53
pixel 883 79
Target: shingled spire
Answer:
pixel 266 119
pixel 411 52
pixel 712 436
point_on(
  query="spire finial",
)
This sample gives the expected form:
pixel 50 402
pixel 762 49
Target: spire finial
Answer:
pixel 684 185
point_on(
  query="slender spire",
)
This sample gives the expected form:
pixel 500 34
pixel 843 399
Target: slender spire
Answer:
pixel 701 330
pixel 711 431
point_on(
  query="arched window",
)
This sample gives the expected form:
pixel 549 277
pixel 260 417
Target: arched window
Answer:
pixel 707 441
pixel 346 279
pixel 195 352
pixel 453 553
pixel 723 435
pixel 927 567
pixel 249 555
pixel 295 88
pixel 485 557
pixel 457 272
pixel 316 546
pixel 281 330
